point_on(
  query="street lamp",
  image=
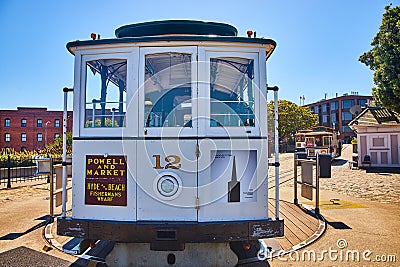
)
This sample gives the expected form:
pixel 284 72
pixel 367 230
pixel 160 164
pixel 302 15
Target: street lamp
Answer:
pixel 302 98
pixel 45 133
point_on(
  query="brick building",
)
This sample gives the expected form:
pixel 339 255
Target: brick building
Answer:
pixel 335 112
pixel 30 128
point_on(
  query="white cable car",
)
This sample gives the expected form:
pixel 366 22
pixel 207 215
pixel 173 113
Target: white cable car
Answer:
pixel 170 142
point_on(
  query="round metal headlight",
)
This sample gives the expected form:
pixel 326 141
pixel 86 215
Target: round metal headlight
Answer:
pixel 168 186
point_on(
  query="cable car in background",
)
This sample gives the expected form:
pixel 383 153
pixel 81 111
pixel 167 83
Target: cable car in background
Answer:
pixel 320 139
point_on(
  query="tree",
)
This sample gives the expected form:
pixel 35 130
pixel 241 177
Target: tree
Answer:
pixel 384 60
pixel 291 118
pixel 55 149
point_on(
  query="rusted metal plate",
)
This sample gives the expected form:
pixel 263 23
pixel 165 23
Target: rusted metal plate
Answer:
pixel 74 228
pixel 184 232
pixel 266 229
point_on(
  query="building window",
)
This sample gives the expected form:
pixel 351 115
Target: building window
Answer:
pixel 316 110
pixel 7 137
pixel 23 148
pixel 23 123
pixel 334 105
pixel 347 129
pixel 347 116
pixel 324 108
pixel 378 142
pixel 7 122
pixel 347 103
pixel 362 102
pixel 23 137
pixel 333 117
pixel 57 123
pixel 39 137
pixel 39 123
pixel 325 119
pixel 57 135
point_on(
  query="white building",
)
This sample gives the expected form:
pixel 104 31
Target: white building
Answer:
pixel 378 136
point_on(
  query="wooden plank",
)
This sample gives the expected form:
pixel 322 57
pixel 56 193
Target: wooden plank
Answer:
pixel 284 242
pixel 297 219
pixel 303 220
pixel 292 232
pixel 307 218
pixel 299 225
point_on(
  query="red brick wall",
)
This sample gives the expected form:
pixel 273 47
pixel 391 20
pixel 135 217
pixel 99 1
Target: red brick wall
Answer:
pixel 31 130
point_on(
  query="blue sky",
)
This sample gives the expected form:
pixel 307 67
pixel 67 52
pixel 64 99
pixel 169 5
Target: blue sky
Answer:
pixel 319 41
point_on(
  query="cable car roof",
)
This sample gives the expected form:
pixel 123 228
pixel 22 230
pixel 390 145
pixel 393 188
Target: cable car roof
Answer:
pixel 176 30
pixel 317 133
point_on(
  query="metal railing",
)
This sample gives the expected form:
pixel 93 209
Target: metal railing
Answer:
pixel 307 183
pixel 13 171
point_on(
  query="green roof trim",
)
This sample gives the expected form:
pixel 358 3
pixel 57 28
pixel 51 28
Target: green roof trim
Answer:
pixel 168 27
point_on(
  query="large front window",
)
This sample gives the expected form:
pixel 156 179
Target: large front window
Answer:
pixel 105 101
pixel 347 103
pixel 334 105
pixel 347 116
pixel 231 92
pixel 168 90
pixel 362 102
pixel 324 108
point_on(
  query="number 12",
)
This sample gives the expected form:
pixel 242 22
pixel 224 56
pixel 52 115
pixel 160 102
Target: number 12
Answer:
pixel 173 162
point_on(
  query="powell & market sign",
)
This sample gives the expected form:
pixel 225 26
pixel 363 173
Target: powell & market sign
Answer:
pixel 105 182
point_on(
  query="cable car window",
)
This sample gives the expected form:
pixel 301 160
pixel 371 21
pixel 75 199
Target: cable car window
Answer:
pixel 168 93
pixel 105 103
pixel 232 94
pixel 327 140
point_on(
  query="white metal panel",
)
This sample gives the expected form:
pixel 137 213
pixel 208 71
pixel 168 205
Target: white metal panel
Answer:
pixel 167 158
pixel 262 95
pixel 216 171
pixel 76 95
pixel 83 148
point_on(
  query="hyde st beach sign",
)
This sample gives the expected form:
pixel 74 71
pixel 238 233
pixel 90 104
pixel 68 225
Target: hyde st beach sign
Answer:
pixel 105 181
